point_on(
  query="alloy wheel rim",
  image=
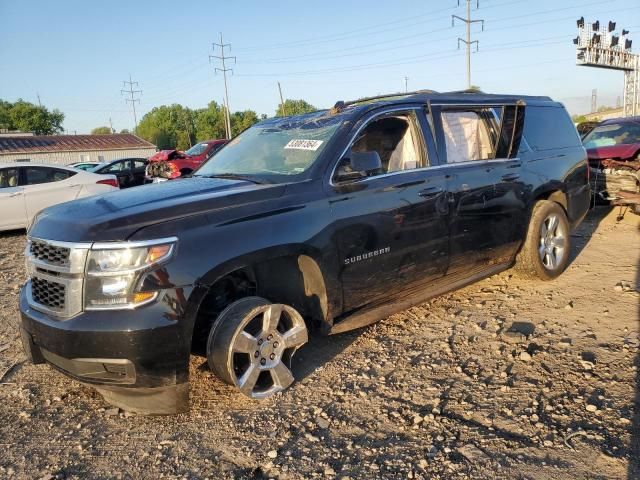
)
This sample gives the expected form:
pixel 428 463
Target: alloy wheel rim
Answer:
pixel 553 242
pixel 262 349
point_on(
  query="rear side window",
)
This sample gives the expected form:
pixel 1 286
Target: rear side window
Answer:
pixel 547 128
pixel 469 134
pixel 8 177
pixel 36 175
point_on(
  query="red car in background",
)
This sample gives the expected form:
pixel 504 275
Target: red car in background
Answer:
pixel 615 139
pixel 170 164
pixel 613 148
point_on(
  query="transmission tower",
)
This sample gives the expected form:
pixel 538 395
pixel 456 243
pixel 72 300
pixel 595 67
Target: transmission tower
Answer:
pixel 132 93
pixel 468 41
pixel 223 58
pixel 594 100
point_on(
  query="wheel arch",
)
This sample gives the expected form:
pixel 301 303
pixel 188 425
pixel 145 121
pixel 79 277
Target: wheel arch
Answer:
pixel 552 192
pixel 301 282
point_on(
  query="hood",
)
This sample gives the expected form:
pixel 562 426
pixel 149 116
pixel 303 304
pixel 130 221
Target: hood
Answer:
pixel 621 151
pixel 163 155
pixel 117 215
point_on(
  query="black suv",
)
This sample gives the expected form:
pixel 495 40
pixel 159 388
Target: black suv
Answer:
pixel 327 221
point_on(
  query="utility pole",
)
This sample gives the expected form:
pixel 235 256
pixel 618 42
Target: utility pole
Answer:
pixel 224 71
pixel 406 88
pixel 111 126
pixel 284 112
pixel 468 41
pixel 132 100
pixel 39 102
pixel 186 126
pixel 594 100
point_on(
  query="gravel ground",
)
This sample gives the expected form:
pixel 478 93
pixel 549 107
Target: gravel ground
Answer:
pixel 504 379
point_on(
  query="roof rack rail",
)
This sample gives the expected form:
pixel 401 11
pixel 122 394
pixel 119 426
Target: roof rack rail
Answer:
pixel 340 104
pixel 467 90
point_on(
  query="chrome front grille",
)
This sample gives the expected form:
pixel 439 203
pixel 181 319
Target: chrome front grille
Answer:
pixel 49 294
pixel 50 254
pixel 55 276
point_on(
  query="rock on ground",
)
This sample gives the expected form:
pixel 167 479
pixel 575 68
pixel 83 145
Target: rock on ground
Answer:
pixel 498 380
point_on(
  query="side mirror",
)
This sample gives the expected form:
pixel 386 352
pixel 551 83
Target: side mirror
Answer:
pixel 365 161
pixel 357 166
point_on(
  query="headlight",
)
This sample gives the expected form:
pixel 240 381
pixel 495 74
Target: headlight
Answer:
pixel 113 271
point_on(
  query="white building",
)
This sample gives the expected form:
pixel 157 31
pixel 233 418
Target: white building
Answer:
pixel 66 149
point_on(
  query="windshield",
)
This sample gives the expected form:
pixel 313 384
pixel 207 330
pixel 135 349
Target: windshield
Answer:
pixel 614 134
pixel 197 149
pixel 280 146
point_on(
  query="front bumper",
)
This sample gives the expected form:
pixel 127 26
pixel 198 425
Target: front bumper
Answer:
pixel 137 359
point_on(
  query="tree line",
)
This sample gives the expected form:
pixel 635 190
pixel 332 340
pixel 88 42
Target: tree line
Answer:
pixel 176 126
pixel 167 126
pixel 28 117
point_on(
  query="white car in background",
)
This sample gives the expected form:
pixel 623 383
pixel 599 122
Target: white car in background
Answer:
pixel 25 189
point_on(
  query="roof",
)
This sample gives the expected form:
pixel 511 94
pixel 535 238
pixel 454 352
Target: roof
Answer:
pixel 609 121
pixel 353 108
pixel 71 143
pixel 29 164
pixel 423 96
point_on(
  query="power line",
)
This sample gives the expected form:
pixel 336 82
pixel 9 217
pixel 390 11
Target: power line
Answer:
pixel 184 86
pixel 224 71
pixel 132 100
pixel 352 33
pixel 325 55
pixel 468 42
pixel 400 61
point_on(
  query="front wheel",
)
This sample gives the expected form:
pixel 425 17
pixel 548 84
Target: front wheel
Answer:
pixel 251 344
pixel 545 252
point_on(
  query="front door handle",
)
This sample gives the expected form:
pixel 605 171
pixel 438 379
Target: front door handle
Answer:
pixel 431 192
pixel 510 177
pixel 15 194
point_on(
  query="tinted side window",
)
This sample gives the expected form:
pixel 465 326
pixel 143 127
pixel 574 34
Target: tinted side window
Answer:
pixel 546 128
pixel 215 148
pixel 469 134
pixel 139 164
pixel 37 175
pixel 8 177
pixel 116 167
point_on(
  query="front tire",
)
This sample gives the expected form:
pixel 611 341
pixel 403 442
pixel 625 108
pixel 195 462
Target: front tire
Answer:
pixel 251 344
pixel 545 252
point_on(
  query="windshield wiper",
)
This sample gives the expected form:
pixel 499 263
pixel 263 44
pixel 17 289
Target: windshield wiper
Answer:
pixel 233 176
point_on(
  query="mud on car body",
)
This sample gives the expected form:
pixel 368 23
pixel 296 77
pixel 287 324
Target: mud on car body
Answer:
pixel 327 221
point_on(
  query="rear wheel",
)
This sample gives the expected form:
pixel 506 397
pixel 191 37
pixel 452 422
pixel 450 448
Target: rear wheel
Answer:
pixel 545 252
pixel 251 344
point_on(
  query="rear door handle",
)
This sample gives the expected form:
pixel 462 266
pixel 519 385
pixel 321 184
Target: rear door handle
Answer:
pixel 510 177
pixel 430 192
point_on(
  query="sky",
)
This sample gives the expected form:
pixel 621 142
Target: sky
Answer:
pixel 75 55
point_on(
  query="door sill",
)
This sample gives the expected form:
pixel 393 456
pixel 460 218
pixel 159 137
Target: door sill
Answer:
pixel 412 296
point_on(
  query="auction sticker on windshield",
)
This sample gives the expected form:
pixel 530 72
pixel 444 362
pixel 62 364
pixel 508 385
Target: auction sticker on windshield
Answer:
pixel 304 144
